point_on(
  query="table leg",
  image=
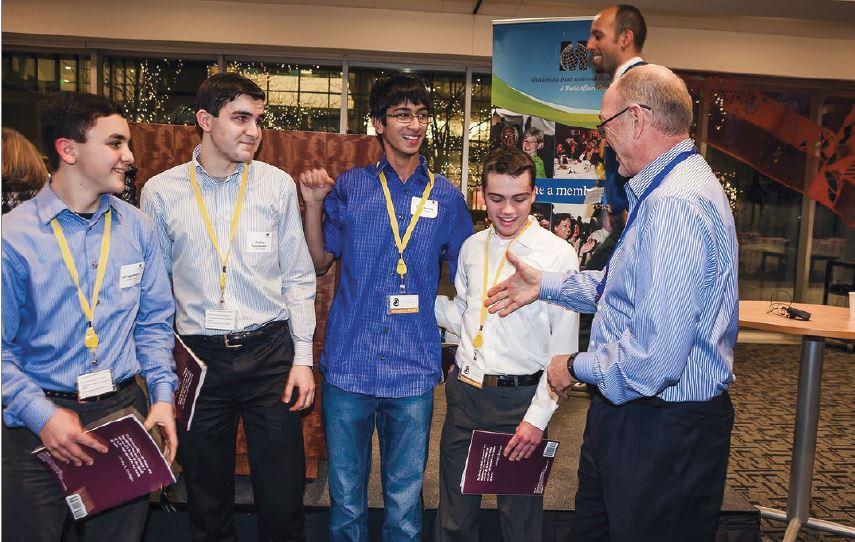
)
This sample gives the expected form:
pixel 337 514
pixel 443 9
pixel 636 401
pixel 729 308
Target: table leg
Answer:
pixel 804 441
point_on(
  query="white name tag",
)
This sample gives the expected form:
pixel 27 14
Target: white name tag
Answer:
pixel 131 274
pixel 430 209
pixel 472 375
pixel 259 241
pixel 92 384
pixel 403 304
pixel 223 319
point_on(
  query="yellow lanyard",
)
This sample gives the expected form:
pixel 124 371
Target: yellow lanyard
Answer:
pixel 478 340
pixel 90 338
pixel 393 221
pixel 212 234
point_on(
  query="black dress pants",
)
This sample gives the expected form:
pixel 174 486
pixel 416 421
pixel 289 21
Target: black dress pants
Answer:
pixel 490 409
pixel 34 508
pixel 245 383
pixel 652 471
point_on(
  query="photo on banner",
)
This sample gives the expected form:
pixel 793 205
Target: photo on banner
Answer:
pixel 546 101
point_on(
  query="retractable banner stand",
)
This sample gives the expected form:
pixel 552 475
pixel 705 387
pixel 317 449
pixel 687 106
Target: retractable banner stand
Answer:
pixel 546 101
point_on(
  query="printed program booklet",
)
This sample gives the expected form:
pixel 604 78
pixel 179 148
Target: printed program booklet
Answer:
pixel 133 466
pixel 487 471
pixel 191 375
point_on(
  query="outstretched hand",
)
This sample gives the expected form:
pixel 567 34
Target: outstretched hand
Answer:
pixel 516 291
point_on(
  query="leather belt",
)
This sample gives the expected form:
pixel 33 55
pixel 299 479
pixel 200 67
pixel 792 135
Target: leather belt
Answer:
pixel 73 396
pixel 243 338
pixel 512 381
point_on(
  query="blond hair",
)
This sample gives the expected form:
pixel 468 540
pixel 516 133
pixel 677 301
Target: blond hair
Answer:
pixel 23 166
pixel 664 92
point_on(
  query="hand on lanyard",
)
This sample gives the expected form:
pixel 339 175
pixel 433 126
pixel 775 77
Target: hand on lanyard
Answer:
pixel 90 338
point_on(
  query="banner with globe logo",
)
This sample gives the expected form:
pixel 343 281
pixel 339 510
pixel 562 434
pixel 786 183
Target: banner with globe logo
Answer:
pixel 546 100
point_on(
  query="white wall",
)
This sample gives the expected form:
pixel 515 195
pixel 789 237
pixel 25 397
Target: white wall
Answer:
pixel 228 27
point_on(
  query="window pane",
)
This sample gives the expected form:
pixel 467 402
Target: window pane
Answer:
pixel 155 90
pixel 29 77
pixel 299 97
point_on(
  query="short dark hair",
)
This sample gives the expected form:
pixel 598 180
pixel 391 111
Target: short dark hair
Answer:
pixel 505 161
pixel 395 89
pixel 630 18
pixel 222 88
pixel 69 115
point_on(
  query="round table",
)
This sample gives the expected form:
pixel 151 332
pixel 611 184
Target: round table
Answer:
pixel 825 322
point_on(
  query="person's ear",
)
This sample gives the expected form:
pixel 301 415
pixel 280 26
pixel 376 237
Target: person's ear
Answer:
pixel 66 149
pixel 379 125
pixel 627 38
pixel 204 120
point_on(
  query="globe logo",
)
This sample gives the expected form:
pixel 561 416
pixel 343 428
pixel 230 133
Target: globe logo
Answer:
pixel 573 56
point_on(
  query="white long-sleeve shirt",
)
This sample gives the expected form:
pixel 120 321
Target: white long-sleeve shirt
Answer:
pixel 525 341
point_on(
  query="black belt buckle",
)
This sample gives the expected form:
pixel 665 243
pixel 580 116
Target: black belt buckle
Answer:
pixel 232 346
pixel 98 398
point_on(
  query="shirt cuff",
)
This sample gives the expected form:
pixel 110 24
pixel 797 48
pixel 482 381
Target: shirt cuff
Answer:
pixel 538 416
pixel 550 285
pixel 303 354
pixel 36 414
pixel 583 366
pixel 162 392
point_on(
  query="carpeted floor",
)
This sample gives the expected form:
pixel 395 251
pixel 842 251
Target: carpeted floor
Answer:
pixel 764 398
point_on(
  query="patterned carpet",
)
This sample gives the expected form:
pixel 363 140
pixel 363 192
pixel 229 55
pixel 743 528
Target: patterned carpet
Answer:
pixel 764 397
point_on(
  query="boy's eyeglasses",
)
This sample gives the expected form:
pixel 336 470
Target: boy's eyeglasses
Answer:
pixel 601 127
pixel 404 117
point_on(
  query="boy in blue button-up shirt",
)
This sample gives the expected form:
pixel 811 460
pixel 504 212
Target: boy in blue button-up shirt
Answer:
pixel 381 356
pixel 67 363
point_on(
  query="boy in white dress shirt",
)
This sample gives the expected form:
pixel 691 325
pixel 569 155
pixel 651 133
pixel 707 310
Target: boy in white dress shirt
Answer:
pixel 499 383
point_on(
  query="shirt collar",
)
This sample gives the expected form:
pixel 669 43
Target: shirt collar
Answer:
pixel 420 174
pixel 200 170
pixel 49 206
pixel 639 183
pixel 528 238
pixel 626 65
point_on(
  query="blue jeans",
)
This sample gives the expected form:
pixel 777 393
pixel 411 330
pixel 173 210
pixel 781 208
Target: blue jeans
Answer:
pixel 403 426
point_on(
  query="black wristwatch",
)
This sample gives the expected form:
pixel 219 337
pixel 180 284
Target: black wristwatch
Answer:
pixel 570 361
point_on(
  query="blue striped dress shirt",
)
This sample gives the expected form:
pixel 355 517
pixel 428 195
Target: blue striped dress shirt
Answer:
pixel 277 283
pixel 367 350
pixel 43 324
pixel 666 323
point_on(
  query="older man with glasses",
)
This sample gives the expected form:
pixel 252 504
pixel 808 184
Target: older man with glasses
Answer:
pixel 657 439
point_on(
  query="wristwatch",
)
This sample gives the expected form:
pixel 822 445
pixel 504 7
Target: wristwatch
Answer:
pixel 570 361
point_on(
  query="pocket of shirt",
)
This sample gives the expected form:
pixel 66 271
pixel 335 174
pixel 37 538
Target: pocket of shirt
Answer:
pixel 129 297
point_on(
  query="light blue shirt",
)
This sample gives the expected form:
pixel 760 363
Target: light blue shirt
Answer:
pixel 666 323
pixel 43 324
pixel 270 275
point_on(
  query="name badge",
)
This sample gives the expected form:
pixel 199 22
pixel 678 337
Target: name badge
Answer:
pixel 97 383
pixel 259 241
pixel 222 319
pixel 430 210
pixel 403 304
pixel 472 375
pixel 131 274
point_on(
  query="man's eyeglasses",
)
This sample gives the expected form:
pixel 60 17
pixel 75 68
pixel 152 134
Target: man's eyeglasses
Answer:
pixel 405 117
pixel 601 127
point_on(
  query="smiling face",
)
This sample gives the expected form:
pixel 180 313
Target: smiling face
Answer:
pixel 104 158
pixel 402 140
pixel 235 133
pixel 508 202
pixel 531 145
pixel 603 43
pixel 562 229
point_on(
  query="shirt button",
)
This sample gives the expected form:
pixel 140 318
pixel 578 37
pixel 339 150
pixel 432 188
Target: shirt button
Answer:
pixel 400 217
pixel 385 330
pixel 382 357
pixel 94 265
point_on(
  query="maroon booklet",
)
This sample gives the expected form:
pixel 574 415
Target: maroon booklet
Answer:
pixel 191 375
pixel 488 471
pixel 133 466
